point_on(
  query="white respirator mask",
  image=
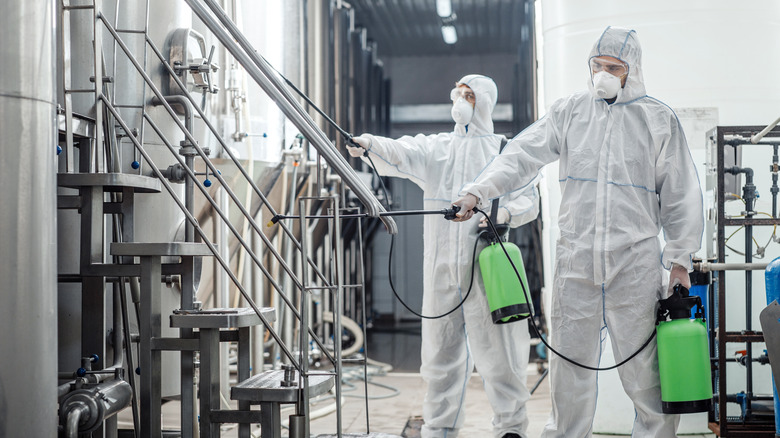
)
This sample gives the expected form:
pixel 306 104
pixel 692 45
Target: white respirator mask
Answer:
pixel 462 112
pixel 605 85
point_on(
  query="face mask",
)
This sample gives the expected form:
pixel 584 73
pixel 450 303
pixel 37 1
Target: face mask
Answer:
pixel 605 85
pixel 462 112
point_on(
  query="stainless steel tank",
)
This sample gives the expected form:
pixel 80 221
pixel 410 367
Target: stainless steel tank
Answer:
pixel 28 384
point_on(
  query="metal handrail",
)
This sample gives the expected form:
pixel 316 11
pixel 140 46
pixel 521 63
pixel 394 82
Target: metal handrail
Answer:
pixel 194 143
pixel 217 175
pixel 264 76
pixel 199 230
pixel 230 154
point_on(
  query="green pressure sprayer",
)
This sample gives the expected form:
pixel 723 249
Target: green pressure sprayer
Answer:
pixel 683 355
pixel 503 289
pixel 504 292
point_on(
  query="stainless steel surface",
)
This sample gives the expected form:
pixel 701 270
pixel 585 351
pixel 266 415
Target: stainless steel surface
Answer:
pixel 200 232
pixel 95 404
pixel 160 249
pixel 157 219
pixel 81 126
pixel 266 387
pixel 221 318
pixel 302 407
pixel 711 267
pixel 262 73
pixel 28 389
pixel 194 142
pixel 338 303
pixel 112 182
pixel 209 164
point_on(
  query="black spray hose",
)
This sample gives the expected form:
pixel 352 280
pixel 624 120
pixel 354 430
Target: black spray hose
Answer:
pixel 533 322
pixel 348 137
pixel 392 287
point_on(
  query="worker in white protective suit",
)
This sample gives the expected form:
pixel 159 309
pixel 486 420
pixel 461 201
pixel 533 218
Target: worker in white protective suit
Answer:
pixel 451 346
pixel 625 174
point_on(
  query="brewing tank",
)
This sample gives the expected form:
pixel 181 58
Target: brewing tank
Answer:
pixel 28 384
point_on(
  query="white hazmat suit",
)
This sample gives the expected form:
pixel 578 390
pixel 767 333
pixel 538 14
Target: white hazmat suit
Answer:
pixel 451 346
pixel 626 174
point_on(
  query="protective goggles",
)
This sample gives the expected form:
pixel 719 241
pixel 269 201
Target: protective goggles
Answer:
pixel 466 93
pixel 608 64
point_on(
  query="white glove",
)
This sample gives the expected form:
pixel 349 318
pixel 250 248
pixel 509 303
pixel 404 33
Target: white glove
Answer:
pixel 679 275
pixel 501 218
pixel 364 144
pixel 466 204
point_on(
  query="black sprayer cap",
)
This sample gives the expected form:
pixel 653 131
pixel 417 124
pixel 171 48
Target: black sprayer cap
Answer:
pixel 678 305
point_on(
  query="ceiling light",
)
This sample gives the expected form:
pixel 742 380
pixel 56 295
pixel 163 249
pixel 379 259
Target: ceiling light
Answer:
pixel 449 34
pixel 444 8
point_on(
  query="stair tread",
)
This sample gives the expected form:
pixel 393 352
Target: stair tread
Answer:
pixel 160 249
pixel 221 318
pixel 266 387
pixel 111 182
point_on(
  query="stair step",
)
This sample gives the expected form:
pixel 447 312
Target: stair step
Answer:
pixel 111 182
pixel 221 318
pixel 160 249
pixel 267 387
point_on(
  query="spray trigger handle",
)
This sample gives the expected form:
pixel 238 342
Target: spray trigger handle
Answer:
pixel 451 213
pixel 354 144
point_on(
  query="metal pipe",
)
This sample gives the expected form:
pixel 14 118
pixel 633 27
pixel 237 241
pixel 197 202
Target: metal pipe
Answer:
pixel 85 409
pixel 72 422
pixel 337 307
pixel 184 103
pixel 302 407
pixel 713 267
pixel 267 79
pixel 189 158
pixel 756 138
pixel 749 195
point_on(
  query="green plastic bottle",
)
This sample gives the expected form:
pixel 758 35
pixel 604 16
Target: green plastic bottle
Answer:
pixel 683 356
pixel 504 294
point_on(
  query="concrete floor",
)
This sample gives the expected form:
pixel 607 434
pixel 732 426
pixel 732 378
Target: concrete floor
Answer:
pixel 395 397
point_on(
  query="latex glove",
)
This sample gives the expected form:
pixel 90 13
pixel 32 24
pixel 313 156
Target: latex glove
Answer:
pixel 466 204
pixel 679 275
pixel 501 218
pixel 364 144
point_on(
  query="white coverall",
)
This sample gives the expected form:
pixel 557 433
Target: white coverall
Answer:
pixel 626 174
pixel 441 164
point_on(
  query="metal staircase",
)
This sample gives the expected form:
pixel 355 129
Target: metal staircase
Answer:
pixel 147 265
